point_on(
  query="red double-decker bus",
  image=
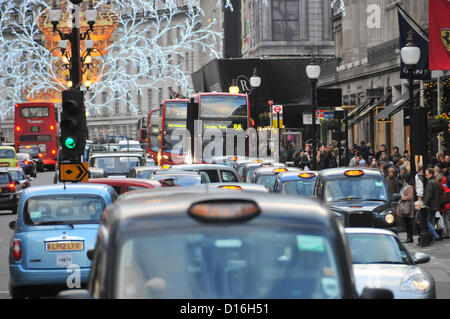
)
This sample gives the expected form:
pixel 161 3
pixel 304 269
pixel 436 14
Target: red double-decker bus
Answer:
pixel 220 111
pixel 153 133
pixel 35 125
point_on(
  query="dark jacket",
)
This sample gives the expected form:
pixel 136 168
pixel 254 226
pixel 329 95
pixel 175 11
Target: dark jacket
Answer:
pixel 393 184
pixel 432 194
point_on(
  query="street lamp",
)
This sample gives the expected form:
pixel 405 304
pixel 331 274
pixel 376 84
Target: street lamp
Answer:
pixel 255 82
pixel 234 89
pixel 313 73
pixel 410 55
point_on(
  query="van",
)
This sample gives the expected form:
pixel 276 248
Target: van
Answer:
pixel 8 157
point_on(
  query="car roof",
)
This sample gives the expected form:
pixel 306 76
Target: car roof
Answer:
pixel 163 203
pixel 294 175
pixel 363 230
pixel 340 171
pixel 115 154
pixel 67 188
pixel 269 170
pixel 124 181
pixel 4 170
pixel 146 168
pixel 204 166
pixel 7 147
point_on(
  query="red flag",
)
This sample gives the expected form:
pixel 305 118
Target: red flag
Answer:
pixel 439 24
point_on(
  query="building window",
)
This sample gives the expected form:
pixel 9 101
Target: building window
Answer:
pixel 150 98
pixel 285 20
pixel 139 101
pixel 128 103
pixel 116 103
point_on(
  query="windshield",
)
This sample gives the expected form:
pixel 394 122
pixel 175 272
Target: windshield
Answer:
pixel 154 131
pixel 179 180
pixel 176 110
pixel 267 180
pixel 116 164
pixel 377 248
pixel 356 188
pixel 145 174
pixel 37 111
pixel 168 143
pixel 33 151
pixel 7 154
pixel 63 209
pixel 299 187
pixel 16 175
pixel 4 178
pixel 223 106
pixel 228 262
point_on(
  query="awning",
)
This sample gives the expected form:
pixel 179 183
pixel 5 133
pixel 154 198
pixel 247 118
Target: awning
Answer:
pixel 381 101
pixel 395 106
pixel 360 108
pixel 355 116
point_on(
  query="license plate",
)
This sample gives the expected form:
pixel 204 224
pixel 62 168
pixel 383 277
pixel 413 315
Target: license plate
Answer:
pixel 64 246
pixel 64 260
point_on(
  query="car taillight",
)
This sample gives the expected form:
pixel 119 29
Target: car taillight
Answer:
pixel 26 184
pixel 52 127
pixel 40 155
pixel 53 152
pixel 16 248
pixel 12 187
pixel 17 128
pixel 26 162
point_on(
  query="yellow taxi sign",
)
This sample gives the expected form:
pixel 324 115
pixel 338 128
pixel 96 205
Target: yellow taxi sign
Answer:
pixel 74 172
pixel 231 187
pixel 307 175
pixel 354 172
pixel 279 170
pixel 166 166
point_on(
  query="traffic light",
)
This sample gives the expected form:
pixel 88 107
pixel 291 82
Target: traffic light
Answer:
pixel 73 125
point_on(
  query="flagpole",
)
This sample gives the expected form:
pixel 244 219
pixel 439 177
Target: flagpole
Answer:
pixel 406 13
pixel 439 108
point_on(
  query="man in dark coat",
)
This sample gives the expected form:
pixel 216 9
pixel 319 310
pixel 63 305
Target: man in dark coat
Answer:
pixel 431 199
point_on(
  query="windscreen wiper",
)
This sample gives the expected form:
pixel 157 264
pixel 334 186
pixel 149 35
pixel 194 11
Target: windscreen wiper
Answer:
pixel 347 198
pixel 375 199
pixel 54 223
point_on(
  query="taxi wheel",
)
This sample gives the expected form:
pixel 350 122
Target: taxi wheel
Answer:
pixel 17 292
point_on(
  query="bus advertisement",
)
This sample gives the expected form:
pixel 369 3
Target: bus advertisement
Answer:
pixel 35 125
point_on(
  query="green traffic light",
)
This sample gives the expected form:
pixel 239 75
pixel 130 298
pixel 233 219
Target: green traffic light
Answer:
pixel 70 143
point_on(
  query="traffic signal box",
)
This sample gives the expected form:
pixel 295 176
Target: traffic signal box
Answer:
pixel 73 125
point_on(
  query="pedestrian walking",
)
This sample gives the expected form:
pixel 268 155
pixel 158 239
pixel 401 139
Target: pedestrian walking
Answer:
pixel 405 209
pixel 431 200
pixel 392 182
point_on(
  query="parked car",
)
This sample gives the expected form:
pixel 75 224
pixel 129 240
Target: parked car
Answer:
pixel 56 225
pixel 296 183
pixel 122 185
pixel 8 195
pixel 381 261
pixel 217 173
pixel 27 163
pixel 142 171
pixel 359 197
pixel 8 157
pixel 220 245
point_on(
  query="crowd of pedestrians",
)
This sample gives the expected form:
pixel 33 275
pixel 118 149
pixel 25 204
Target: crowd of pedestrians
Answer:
pixel 428 192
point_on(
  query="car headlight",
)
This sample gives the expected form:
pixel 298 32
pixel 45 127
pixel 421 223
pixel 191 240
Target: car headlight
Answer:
pixel 416 282
pixel 389 218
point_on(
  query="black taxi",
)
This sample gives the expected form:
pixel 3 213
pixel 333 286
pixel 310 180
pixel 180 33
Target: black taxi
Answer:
pixel 358 196
pixel 220 244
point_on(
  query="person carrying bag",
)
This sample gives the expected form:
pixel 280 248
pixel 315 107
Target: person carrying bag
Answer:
pixel 405 209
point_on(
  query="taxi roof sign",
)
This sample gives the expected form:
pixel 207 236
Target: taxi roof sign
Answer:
pixel 279 170
pixel 306 175
pixel 354 172
pixel 231 187
pixel 224 211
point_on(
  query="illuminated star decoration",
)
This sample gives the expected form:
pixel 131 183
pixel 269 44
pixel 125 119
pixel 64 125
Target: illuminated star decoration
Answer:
pixel 137 60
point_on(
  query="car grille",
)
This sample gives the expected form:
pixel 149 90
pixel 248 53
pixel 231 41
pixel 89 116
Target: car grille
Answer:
pixel 359 219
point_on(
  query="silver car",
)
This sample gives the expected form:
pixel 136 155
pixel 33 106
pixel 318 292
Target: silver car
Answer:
pixel 381 261
pixel 19 175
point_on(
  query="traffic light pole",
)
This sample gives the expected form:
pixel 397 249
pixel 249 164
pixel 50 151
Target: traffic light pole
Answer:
pixel 75 71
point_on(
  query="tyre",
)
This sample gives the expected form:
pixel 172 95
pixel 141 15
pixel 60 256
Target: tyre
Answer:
pixel 17 292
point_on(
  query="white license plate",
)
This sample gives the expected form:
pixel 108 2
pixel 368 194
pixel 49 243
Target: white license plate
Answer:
pixel 64 260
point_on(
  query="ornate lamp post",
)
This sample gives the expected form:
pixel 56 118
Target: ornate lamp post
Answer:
pixel 313 73
pixel 410 55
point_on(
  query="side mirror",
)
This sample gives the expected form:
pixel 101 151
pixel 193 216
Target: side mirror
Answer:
pixel 396 197
pixel 74 294
pixel 376 293
pixel 12 225
pixel 31 179
pixel 16 182
pixel 421 258
pixel 90 254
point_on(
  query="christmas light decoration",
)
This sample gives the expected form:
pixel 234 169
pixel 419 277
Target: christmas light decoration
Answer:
pixel 136 60
pixel 340 5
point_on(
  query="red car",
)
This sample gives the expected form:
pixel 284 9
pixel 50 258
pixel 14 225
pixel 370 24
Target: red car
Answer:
pixel 122 185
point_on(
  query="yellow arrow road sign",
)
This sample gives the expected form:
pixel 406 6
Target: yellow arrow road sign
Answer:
pixel 77 172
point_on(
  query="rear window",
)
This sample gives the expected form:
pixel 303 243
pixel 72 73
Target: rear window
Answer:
pixel 299 187
pixel 228 176
pixel 63 209
pixel 23 157
pixel 17 175
pixel 236 262
pixel 4 178
pixel 29 150
pixel 7 154
pixel 267 180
